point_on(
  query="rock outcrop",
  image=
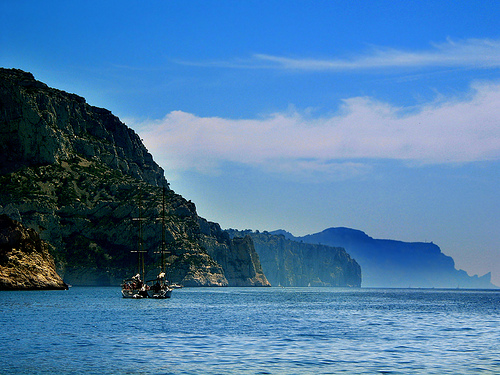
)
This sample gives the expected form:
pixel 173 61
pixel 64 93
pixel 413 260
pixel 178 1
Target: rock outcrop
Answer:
pixel 25 261
pixel 80 177
pixel 397 264
pixel 237 256
pixel 291 263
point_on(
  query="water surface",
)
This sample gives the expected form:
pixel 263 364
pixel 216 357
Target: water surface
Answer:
pixel 251 331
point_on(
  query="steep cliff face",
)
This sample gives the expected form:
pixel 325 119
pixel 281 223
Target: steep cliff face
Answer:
pixel 390 263
pixel 43 126
pixel 237 256
pixel 290 263
pixel 80 177
pixel 25 261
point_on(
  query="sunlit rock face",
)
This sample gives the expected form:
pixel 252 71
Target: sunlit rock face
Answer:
pixel 81 178
pixel 25 261
pixel 238 257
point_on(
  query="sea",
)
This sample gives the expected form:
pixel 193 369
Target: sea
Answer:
pixel 93 330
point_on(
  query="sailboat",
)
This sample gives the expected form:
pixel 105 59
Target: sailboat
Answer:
pixel 161 289
pixel 135 286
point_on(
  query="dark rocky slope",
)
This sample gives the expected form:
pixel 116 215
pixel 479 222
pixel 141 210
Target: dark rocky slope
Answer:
pixel 291 263
pixel 25 261
pixel 78 175
pixel 390 263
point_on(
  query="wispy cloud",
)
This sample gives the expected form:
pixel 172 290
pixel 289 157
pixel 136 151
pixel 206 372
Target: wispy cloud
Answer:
pixel 450 131
pixel 469 53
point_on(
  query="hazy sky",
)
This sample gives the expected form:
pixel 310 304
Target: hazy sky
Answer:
pixel 382 116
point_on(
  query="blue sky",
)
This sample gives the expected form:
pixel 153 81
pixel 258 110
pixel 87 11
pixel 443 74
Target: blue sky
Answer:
pixel 302 115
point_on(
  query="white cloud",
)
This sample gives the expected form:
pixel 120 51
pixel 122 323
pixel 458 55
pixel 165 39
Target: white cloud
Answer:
pixel 463 130
pixel 469 53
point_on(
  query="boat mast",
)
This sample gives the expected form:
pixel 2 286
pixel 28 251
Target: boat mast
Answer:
pixel 163 231
pixel 140 246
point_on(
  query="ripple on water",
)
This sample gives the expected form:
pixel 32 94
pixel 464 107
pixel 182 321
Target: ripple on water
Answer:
pixel 251 331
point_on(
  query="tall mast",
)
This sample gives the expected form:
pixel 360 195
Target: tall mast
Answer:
pixel 140 247
pixel 163 231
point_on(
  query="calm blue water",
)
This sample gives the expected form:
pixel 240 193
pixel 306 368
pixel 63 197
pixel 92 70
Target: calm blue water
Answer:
pixel 251 331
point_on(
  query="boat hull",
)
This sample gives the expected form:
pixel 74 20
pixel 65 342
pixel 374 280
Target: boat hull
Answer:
pixel 160 294
pixel 134 293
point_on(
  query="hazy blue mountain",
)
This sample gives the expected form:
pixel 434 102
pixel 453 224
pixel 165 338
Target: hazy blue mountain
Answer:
pixel 390 263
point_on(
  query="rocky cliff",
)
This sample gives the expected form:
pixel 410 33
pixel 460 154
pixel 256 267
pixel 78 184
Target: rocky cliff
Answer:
pixel 44 126
pixel 291 263
pixel 79 176
pixel 25 261
pixel 390 263
pixel 235 257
